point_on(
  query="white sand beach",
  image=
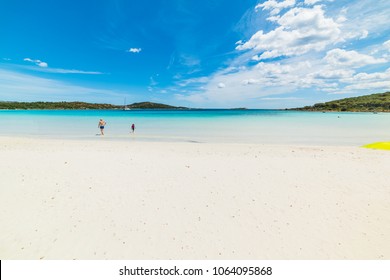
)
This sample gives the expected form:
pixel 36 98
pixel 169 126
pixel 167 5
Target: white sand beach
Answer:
pixel 75 199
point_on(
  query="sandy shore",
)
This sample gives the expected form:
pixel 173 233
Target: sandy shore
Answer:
pixel 116 200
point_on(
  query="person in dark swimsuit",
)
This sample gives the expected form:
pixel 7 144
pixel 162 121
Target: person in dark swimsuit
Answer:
pixel 101 125
pixel 132 128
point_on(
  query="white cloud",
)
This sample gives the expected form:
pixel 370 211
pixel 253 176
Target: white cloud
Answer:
pixel 374 81
pixel 68 71
pixel 370 86
pixel 17 86
pixel 364 34
pixel 341 19
pixel 37 62
pixel 301 30
pixel 281 98
pixel 43 67
pixel 387 45
pixel 194 81
pixel 42 64
pixel 334 74
pixel 262 80
pixel 274 6
pixel 382 50
pixel 339 57
pixel 266 55
pixel 311 2
pixel 287 76
pixel 308 43
pixel 134 50
pixel 369 77
pixel 363 14
pixel 188 60
pixel 250 81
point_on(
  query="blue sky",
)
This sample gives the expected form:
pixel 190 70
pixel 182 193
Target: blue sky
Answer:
pixel 206 53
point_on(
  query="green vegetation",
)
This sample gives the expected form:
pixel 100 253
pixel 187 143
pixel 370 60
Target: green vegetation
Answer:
pixel 53 105
pixel 79 106
pixel 379 102
pixel 150 105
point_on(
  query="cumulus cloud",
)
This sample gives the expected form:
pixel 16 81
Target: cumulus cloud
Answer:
pixel 274 6
pixel 262 80
pixel 387 45
pixel 287 76
pixel 301 30
pixel 134 50
pixel 371 81
pixel 311 2
pixel 382 50
pixel 348 81
pixel 334 74
pixel 37 62
pixel 302 53
pixel 364 34
pixel 369 77
pixel 339 57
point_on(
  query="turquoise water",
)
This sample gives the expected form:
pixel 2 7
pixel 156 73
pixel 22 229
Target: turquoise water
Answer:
pixel 233 126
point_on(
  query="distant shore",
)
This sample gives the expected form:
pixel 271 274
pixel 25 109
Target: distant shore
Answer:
pixel 68 199
pixel 76 105
pixel 378 102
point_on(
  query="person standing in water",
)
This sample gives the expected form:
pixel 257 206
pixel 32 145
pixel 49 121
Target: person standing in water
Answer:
pixel 101 125
pixel 132 128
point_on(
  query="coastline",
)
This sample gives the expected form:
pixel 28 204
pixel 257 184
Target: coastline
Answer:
pixel 211 126
pixel 72 199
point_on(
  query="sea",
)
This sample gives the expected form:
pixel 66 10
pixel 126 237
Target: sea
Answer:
pixel 202 126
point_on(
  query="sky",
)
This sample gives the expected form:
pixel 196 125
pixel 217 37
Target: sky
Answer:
pixel 270 54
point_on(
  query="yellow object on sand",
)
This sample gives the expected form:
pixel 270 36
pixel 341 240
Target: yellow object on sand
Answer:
pixel 378 145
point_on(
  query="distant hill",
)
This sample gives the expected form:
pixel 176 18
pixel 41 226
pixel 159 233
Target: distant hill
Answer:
pixel 150 105
pixel 378 102
pixel 79 106
pixel 54 105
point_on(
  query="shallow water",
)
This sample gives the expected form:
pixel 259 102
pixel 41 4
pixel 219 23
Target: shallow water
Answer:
pixel 231 126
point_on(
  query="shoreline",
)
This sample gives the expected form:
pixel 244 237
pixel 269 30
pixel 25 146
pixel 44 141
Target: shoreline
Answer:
pixel 71 199
pixel 148 138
